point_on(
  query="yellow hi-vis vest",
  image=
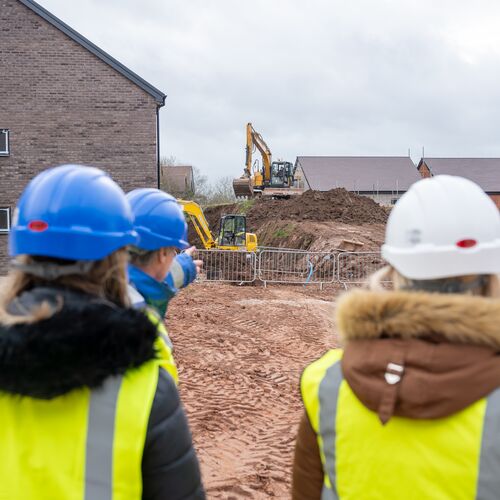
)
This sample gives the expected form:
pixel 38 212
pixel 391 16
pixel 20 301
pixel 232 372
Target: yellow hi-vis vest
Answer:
pixel 162 345
pixel 456 457
pixel 84 445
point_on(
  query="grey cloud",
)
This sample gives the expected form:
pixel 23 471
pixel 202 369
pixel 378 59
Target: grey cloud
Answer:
pixel 316 77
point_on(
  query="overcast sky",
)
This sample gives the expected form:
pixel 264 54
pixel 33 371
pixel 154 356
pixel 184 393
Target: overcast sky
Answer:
pixel 315 77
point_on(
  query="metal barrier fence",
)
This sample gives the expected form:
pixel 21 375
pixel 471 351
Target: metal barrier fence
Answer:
pixel 226 265
pixel 296 266
pixel 289 266
pixel 356 267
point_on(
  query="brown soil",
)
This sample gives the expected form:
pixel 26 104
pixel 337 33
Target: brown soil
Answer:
pixel 240 352
pixel 335 205
pixel 320 236
pixel 241 349
pixel 316 220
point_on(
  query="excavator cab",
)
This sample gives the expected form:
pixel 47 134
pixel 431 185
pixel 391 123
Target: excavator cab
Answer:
pixel 233 229
pixel 232 235
pixel 281 174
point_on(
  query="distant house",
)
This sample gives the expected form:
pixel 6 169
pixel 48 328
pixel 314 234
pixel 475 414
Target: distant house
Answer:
pixel 383 178
pixel 177 180
pixel 483 171
pixel 65 100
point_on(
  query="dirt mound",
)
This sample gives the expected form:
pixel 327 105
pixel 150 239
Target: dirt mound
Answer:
pixel 337 204
pixel 301 221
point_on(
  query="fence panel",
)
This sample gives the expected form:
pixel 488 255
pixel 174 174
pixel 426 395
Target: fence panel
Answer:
pixel 356 267
pixel 296 266
pixel 289 266
pixel 228 265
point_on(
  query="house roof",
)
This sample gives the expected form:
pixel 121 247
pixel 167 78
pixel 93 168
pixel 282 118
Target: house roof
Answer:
pixel 111 61
pixel 483 171
pixel 359 173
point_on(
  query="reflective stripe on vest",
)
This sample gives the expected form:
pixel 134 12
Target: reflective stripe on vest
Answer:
pixel 328 397
pixel 453 457
pixel 488 485
pixel 100 435
pixel 163 345
pixel 85 445
pixel 136 299
pixel 177 273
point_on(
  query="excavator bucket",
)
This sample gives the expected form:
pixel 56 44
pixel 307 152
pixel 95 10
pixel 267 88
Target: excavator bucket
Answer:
pixel 243 187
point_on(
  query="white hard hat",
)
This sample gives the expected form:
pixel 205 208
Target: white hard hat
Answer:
pixel 442 227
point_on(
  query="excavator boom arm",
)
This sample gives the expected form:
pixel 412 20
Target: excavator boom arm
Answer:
pixel 264 150
pixel 249 150
pixel 200 223
pixel 251 182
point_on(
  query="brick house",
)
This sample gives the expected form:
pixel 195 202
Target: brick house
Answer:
pixel 483 171
pixel 64 100
pixel 383 178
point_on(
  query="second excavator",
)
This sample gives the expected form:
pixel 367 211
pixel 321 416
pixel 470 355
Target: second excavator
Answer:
pixel 272 178
pixel 233 230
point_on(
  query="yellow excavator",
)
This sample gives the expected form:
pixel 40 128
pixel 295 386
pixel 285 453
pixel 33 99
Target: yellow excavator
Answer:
pixel 273 178
pixel 233 230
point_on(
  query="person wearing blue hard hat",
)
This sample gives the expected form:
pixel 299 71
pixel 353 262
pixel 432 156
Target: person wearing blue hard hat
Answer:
pixel 156 271
pixel 88 407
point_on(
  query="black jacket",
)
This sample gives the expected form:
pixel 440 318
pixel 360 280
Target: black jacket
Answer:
pixel 81 345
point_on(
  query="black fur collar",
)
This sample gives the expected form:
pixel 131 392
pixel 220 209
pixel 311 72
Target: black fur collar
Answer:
pixel 80 346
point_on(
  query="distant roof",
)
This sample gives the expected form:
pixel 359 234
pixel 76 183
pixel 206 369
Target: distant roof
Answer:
pixel 178 169
pixel 359 173
pixel 118 66
pixel 178 178
pixel 483 171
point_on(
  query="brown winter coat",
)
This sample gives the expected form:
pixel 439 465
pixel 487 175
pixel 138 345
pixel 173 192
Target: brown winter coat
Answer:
pixel 449 346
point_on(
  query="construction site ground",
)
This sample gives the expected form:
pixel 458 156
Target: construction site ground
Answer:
pixel 240 351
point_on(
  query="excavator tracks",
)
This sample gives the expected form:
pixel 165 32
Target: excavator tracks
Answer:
pixel 240 352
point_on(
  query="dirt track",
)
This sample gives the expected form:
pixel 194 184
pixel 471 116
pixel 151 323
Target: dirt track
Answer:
pixel 240 352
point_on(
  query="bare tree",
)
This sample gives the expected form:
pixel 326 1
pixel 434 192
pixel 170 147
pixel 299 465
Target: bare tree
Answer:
pixel 168 161
pixel 222 191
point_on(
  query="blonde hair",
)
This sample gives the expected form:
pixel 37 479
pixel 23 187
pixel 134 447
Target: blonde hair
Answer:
pixel 465 285
pixel 107 279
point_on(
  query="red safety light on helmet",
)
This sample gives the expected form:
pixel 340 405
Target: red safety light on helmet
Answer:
pixel 467 243
pixel 38 226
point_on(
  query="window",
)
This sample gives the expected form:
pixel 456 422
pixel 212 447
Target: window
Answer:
pixel 4 220
pixel 4 142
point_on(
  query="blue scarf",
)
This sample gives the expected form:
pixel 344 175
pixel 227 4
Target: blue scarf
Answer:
pixel 155 293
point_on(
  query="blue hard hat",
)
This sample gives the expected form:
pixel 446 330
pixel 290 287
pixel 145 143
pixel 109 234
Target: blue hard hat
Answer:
pixel 159 219
pixel 72 212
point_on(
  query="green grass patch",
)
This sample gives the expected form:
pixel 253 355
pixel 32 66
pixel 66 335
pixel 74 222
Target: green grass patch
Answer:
pixel 245 205
pixel 284 232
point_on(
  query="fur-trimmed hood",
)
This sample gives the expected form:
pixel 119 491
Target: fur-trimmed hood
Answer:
pixel 442 350
pixel 81 345
pixel 458 318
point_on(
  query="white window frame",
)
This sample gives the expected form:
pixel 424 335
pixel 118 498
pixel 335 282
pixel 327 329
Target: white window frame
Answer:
pixel 2 229
pixel 7 145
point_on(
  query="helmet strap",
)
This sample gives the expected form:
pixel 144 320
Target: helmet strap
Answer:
pixel 51 271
